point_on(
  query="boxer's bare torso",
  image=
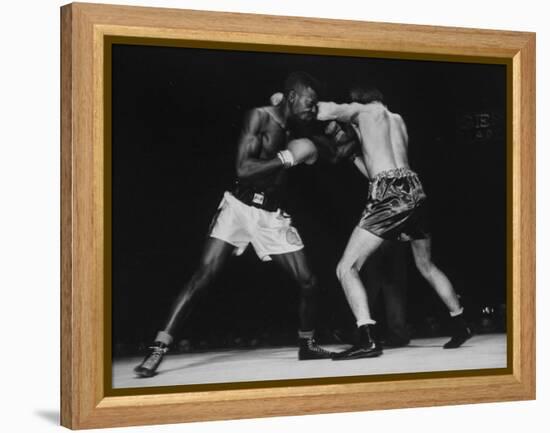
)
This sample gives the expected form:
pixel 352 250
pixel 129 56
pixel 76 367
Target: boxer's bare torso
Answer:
pixel 383 138
pixel 382 134
pixel 264 134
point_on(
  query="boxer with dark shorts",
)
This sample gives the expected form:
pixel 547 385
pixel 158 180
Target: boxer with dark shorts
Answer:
pixel 396 206
pixel 395 210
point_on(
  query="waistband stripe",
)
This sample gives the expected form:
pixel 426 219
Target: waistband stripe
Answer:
pixel 394 172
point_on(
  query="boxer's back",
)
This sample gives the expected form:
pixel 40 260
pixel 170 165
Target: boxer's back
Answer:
pixel 383 137
pixel 374 127
pixel 399 140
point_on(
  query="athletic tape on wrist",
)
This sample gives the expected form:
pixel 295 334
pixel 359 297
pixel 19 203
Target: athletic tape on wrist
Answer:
pixel 286 158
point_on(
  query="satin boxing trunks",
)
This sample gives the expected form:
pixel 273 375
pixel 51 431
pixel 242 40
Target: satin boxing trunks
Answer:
pixel 396 206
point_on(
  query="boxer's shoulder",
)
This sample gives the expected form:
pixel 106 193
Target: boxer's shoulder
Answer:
pixel 373 111
pixel 376 108
pixel 271 115
pixel 256 118
pixel 267 110
pixel 261 113
pixel 258 112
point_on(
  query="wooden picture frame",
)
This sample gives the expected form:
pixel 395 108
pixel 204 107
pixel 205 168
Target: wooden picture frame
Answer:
pixel 85 262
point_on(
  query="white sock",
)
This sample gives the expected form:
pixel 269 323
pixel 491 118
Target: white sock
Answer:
pixel 457 312
pixel 305 334
pixel 365 322
pixel 164 337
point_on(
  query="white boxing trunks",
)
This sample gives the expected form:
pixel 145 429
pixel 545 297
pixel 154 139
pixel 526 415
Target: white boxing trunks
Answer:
pixel 240 224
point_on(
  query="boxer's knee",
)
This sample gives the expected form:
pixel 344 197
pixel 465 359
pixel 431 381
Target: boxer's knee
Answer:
pixel 204 275
pixel 308 285
pixel 425 266
pixel 344 270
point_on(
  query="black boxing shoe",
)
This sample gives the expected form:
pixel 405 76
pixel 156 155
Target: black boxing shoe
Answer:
pixel 368 346
pixel 310 350
pixel 151 362
pixel 460 333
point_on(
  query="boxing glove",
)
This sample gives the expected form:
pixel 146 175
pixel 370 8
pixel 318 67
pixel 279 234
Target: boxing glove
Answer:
pixel 302 150
pixel 335 131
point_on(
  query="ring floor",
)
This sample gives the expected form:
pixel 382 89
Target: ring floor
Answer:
pixel 245 365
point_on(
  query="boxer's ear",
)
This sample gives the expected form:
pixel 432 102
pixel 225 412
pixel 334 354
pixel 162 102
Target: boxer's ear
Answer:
pixel 291 96
pixel 276 99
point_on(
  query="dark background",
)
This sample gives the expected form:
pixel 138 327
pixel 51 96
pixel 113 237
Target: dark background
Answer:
pixel 177 114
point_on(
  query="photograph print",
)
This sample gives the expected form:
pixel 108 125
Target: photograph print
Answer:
pixel 285 216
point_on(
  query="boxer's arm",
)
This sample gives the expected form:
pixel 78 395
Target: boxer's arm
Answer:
pixel 248 163
pixel 326 146
pixel 339 112
pixel 328 110
pixel 348 150
pixel 333 151
pixel 348 145
pixel 338 142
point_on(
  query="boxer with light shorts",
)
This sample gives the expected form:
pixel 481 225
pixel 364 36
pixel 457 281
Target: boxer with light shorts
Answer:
pixel 252 213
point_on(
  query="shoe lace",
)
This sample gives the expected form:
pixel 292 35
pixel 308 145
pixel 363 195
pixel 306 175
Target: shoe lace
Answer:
pixel 155 356
pixel 312 345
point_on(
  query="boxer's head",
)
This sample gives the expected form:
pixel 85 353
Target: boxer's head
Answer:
pixel 365 94
pixel 301 95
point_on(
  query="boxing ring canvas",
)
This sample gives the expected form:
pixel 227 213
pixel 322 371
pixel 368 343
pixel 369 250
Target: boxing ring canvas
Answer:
pixel 152 111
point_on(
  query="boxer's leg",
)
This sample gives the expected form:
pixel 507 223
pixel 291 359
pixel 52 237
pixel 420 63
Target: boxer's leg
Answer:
pixel 360 246
pixel 422 252
pixel 215 254
pixel 438 280
pixel 296 265
pixel 213 258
